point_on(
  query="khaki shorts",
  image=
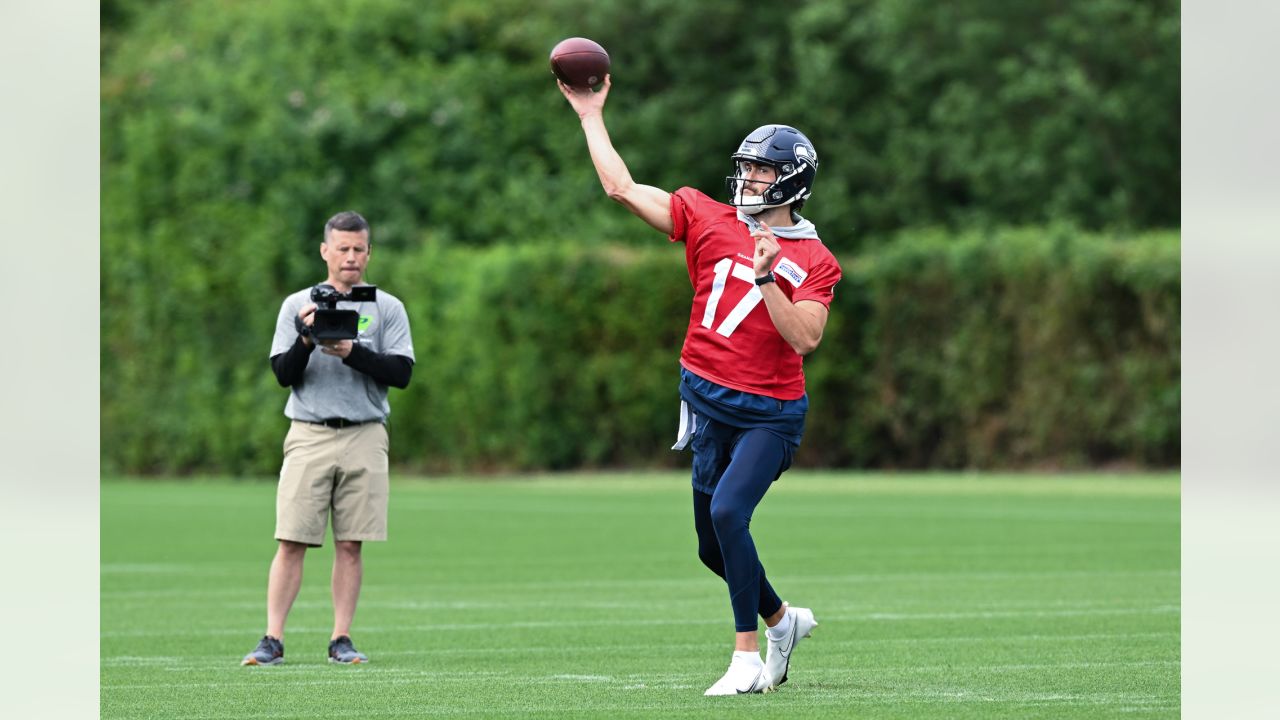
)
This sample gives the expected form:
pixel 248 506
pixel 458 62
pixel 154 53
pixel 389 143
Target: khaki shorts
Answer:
pixel 338 469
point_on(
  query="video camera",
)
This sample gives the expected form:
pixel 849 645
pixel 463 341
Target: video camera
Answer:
pixel 332 323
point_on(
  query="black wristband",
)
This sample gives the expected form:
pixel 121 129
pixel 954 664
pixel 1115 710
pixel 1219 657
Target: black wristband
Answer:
pixel 766 279
pixel 303 330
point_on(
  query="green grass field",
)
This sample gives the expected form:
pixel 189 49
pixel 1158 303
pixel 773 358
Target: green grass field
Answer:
pixel 581 596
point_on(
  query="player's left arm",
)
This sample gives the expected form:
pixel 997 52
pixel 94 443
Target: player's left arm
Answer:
pixel 800 323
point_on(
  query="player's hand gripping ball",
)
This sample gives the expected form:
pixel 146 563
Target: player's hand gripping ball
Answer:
pixel 579 63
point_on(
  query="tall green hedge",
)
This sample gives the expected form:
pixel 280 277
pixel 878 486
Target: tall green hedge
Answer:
pixel 1011 348
pixel 1021 347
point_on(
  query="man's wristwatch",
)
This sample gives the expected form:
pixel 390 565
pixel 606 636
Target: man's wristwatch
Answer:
pixel 766 279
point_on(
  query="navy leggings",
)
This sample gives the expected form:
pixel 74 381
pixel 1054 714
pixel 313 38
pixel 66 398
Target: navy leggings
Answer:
pixel 741 464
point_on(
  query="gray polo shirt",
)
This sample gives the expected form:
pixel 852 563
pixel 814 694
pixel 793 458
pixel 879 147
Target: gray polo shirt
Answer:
pixel 330 389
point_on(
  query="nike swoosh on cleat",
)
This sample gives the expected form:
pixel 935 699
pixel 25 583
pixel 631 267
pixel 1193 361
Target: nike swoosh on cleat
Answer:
pixel 791 642
pixel 751 684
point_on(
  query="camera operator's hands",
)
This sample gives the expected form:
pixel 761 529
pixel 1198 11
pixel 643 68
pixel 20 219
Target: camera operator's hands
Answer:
pixel 306 318
pixel 337 348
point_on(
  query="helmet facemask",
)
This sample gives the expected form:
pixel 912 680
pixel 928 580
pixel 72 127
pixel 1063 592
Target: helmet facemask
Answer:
pixel 782 191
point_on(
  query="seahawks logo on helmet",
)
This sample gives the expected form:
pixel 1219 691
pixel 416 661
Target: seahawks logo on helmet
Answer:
pixel 806 153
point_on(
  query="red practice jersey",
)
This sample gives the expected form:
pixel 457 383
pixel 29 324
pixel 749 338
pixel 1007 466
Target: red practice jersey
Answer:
pixel 731 339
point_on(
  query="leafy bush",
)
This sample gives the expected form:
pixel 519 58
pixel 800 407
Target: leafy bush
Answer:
pixel 1012 348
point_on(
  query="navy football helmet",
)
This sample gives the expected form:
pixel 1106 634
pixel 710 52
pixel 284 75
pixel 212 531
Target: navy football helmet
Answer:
pixel 790 153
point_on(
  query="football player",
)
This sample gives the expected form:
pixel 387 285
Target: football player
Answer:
pixel 762 287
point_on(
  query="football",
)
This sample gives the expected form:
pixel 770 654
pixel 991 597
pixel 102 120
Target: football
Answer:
pixel 579 62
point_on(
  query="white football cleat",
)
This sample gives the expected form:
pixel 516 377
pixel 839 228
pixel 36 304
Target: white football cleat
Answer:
pixel 745 675
pixel 778 657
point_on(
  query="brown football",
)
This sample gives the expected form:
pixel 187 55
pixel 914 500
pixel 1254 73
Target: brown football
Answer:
pixel 579 62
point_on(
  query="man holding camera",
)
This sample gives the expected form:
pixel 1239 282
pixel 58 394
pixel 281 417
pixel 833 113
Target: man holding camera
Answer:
pixel 335 455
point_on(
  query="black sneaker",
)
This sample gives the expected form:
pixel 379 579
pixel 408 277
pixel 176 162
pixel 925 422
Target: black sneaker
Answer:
pixel 270 651
pixel 342 651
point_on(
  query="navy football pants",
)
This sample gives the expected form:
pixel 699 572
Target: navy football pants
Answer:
pixel 742 464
